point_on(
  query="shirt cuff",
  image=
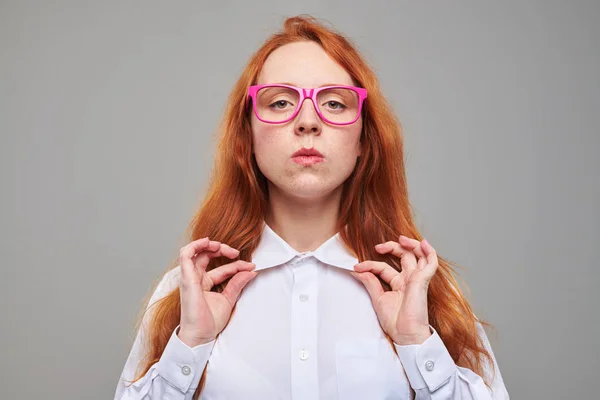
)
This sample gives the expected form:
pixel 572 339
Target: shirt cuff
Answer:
pixel 428 364
pixel 182 365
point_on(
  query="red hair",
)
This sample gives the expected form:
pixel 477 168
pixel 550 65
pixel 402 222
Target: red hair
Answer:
pixel 374 206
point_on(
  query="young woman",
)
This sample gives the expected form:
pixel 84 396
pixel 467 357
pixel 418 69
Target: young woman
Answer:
pixel 305 276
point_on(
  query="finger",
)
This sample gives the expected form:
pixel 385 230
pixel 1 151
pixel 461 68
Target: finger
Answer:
pixel 421 263
pixel 371 283
pixel 224 272
pixel 228 251
pixel 200 245
pixel 408 261
pixel 432 259
pixel 202 250
pixel 391 247
pixel 234 288
pixel 415 246
pixel 220 249
pixel 188 270
pixel 189 273
pixel 202 259
pixel 196 247
pixel 412 244
pixel 388 274
pixel 396 249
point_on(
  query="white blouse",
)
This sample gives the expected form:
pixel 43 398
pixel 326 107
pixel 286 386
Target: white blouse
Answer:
pixel 303 328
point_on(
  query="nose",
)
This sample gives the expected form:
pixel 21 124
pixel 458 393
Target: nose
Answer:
pixel 308 119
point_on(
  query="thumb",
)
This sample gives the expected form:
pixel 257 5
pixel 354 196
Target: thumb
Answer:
pixel 234 288
pixel 371 283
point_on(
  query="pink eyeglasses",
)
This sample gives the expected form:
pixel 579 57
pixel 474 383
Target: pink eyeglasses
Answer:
pixel 278 103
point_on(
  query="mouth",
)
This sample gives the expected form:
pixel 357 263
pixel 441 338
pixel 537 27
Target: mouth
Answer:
pixel 308 152
pixel 306 156
pixel 307 160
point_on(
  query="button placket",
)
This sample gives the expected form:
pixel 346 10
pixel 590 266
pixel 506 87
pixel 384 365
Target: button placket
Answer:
pixel 304 371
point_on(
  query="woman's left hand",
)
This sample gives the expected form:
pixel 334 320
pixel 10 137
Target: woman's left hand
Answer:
pixel 402 311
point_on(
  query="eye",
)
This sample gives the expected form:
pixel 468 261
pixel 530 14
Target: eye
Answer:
pixel 335 105
pixel 280 104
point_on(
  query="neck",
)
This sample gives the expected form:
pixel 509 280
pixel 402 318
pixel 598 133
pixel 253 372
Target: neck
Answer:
pixel 304 224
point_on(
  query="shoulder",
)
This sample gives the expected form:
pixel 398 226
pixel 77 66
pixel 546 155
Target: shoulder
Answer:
pixel 169 282
pixel 172 277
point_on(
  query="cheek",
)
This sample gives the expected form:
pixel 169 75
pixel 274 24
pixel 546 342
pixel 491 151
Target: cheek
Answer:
pixel 348 145
pixel 267 142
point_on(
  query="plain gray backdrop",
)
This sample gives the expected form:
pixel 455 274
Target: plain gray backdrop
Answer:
pixel 108 112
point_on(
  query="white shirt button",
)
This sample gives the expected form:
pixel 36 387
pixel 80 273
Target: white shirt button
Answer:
pixel 186 370
pixel 303 354
pixel 429 365
pixel 303 297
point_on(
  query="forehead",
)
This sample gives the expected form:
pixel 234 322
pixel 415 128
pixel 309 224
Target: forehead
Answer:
pixel 304 64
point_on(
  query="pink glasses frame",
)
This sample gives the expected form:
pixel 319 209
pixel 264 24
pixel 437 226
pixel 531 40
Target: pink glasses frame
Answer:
pixel 308 94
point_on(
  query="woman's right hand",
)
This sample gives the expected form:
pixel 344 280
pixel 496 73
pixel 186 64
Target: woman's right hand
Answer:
pixel 204 314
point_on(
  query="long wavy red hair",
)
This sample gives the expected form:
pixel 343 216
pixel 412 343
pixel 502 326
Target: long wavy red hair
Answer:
pixel 374 208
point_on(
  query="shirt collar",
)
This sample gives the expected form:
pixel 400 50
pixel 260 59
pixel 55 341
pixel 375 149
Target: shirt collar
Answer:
pixel 273 251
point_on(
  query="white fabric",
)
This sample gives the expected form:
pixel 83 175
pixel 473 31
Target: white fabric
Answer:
pixel 304 328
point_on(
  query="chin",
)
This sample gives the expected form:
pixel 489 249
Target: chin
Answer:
pixel 305 191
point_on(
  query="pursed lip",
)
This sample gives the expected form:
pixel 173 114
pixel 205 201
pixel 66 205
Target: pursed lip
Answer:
pixel 308 152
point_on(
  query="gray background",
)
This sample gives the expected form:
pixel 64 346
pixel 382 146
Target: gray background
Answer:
pixel 107 116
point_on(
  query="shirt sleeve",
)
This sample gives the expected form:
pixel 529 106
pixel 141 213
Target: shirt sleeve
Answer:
pixel 433 374
pixel 177 374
